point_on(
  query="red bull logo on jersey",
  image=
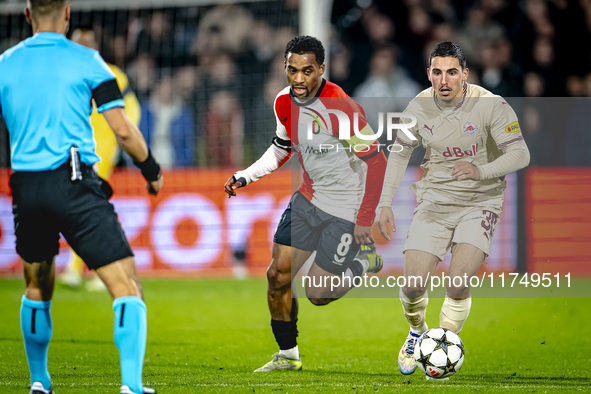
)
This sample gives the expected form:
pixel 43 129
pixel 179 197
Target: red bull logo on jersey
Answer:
pixel 470 129
pixel 456 151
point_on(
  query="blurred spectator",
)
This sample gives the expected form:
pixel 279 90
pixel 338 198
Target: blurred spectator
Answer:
pixel 231 24
pixel 141 75
pixel 543 55
pixel 224 139
pixel 542 123
pixel 157 39
pixel 167 124
pixel 575 86
pixel 577 141
pixel 386 78
pixel 478 29
pixel 499 74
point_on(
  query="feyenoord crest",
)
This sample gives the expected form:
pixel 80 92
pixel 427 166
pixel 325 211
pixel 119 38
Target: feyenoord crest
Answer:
pixel 470 129
pixel 316 127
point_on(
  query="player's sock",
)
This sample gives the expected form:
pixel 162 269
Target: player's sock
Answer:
pixel 359 267
pixel 454 313
pixel 37 329
pixel 414 311
pixel 130 338
pixel 292 353
pixel 420 331
pixel 286 333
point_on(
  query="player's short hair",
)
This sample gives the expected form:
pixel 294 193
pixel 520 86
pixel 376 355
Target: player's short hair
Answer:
pixel 305 44
pixel 45 7
pixel 447 49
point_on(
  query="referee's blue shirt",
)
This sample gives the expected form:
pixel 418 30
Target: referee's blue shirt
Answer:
pixel 47 83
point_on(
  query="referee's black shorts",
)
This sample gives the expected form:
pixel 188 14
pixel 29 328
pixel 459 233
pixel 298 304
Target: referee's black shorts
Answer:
pixel 47 203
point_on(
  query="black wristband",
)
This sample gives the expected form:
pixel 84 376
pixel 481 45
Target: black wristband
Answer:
pixel 150 168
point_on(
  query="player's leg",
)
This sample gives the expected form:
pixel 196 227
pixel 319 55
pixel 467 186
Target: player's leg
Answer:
pixel 36 324
pixel 472 240
pixel 283 305
pixel 122 282
pixel 95 234
pixel 37 243
pixel 418 267
pixel 427 242
pixel 465 263
pixel 339 259
pixel 72 274
pixel 324 286
pixel 109 154
pixel 287 260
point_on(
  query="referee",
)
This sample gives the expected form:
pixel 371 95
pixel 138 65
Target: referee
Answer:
pixel 47 85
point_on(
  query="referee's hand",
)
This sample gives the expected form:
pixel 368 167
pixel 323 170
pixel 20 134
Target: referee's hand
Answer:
pixel 155 186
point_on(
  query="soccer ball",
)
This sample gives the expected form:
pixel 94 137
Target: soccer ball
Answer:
pixel 439 353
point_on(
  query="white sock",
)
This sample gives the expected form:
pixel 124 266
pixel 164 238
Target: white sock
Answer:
pixel 292 354
pixel 420 331
pixel 415 310
pixel 454 313
pixel 364 263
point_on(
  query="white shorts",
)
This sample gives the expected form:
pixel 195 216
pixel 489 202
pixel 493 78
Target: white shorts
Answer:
pixel 435 228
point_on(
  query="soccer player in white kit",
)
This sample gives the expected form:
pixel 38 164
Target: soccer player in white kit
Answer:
pixel 473 140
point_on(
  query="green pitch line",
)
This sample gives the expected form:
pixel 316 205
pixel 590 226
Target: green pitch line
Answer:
pixel 207 336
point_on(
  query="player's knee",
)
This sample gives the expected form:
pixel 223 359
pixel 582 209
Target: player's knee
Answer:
pixel 318 296
pixel 458 293
pixel 277 279
pixel 320 301
pixel 414 291
pixel 124 286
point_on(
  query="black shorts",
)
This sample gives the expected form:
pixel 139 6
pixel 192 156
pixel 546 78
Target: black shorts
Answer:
pixel 47 203
pixel 306 227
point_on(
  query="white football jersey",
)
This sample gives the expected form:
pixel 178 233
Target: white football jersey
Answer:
pixel 477 130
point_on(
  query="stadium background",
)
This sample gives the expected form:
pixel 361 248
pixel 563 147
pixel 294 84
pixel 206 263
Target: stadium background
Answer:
pixel 217 66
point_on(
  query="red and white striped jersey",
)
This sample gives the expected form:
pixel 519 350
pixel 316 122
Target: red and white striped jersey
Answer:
pixel 335 175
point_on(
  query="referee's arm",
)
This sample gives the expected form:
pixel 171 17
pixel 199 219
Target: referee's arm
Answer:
pixel 131 140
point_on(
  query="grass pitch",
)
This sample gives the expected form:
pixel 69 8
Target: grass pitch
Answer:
pixel 207 336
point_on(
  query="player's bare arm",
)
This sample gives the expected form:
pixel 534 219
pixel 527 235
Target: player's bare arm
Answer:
pixel 132 141
pixel 363 235
pixel 278 154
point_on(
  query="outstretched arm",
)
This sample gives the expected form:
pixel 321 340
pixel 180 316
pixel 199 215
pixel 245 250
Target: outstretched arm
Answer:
pixel 278 154
pixel 397 163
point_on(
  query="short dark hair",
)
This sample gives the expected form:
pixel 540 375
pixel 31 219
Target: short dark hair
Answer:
pixel 46 7
pixel 446 49
pixel 305 44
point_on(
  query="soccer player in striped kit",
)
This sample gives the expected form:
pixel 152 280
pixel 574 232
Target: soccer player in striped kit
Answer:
pixel 334 208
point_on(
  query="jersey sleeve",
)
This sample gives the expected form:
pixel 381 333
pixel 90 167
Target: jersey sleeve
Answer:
pixel 506 138
pixel 504 126
pixel 402 138
pixel 103 85
pixel 281 117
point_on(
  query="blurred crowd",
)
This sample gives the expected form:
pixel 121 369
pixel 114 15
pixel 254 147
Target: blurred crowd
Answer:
pixel 206 76
pixel 535 51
